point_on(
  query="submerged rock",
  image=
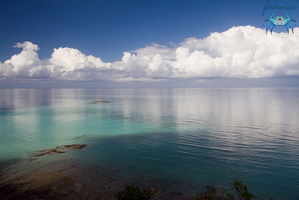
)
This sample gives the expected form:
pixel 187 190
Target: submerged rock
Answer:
pixel 59 149
pixel 95 102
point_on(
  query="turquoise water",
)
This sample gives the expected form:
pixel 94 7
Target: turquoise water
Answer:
pixel 180 139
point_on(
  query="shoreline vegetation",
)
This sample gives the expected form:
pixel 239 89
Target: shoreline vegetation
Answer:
pixel 41 177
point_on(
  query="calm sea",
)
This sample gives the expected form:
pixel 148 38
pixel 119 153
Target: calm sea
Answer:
pixel 181 139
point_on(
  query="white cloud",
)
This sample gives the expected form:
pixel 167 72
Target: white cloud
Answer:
pixel 19 65
pixel 69 63
pixel 71 59
pixel 240 52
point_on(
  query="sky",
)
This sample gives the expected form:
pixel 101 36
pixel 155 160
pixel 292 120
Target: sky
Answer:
pixel 147 43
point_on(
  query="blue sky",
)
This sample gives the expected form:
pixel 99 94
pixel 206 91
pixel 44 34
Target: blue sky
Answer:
pixel 106 29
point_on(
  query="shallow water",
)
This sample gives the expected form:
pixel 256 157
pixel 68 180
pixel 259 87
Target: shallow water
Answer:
pixel 180 139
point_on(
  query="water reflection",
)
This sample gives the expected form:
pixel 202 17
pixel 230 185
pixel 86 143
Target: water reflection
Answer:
pixel 190 134
pixel 234 114
pixel 12 99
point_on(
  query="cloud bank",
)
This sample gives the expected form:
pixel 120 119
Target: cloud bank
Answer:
pixel 240 52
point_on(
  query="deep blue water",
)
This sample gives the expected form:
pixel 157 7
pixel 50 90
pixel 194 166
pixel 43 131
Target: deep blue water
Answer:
pixel 181 139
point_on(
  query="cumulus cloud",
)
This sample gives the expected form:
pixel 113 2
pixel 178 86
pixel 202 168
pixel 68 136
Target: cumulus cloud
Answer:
pixel 240 52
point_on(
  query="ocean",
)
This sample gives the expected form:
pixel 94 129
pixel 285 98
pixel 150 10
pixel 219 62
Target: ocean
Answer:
pixel 176 139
